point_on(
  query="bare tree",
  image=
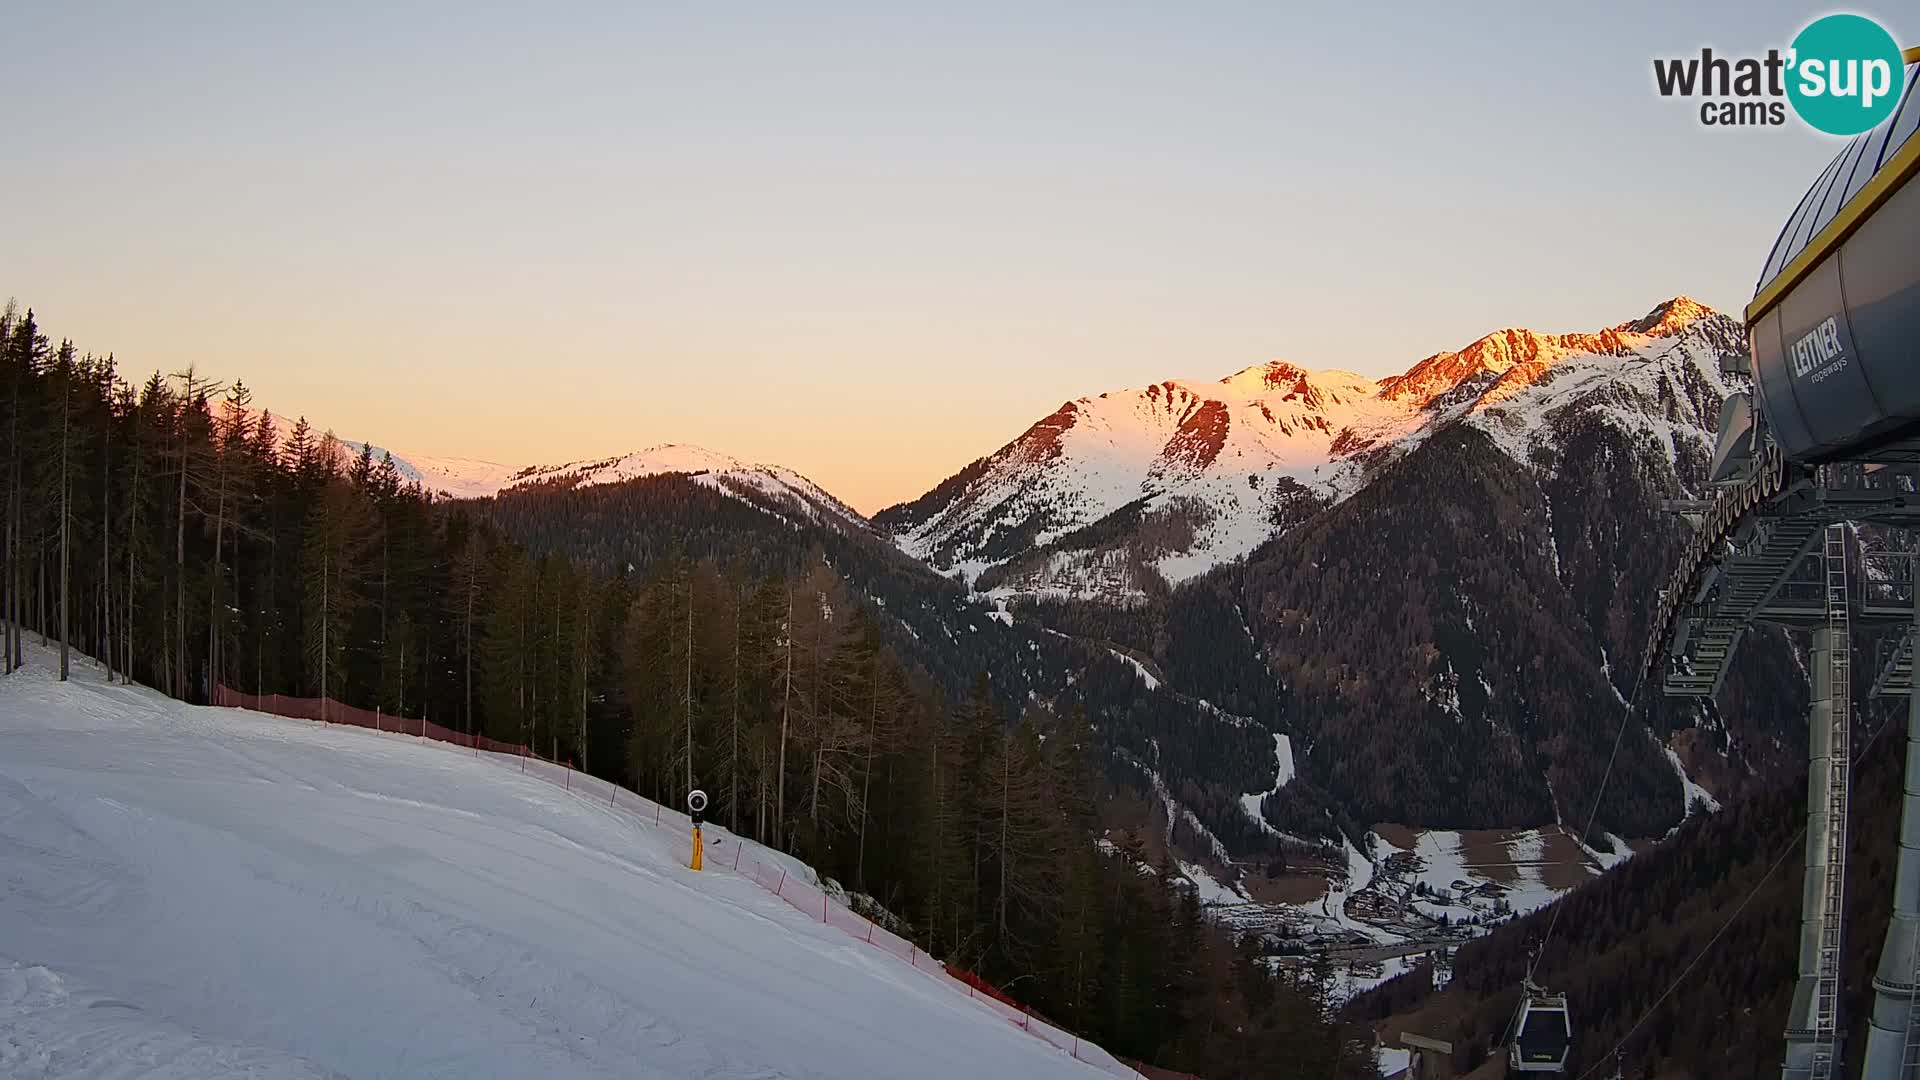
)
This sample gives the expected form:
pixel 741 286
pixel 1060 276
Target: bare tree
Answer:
pixel 586 654
pixel 733 730
pixel 109 383
pixel 65 371
pixel 687 699
pixel 471 575
pixel 189 454
pixel 231 435
pixel 786 712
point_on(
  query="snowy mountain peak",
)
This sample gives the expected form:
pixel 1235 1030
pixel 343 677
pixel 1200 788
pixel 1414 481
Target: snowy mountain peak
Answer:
pixel 653 461
pixel 1166 481
pixel 1498 353
pixel 778 490
pixel 1670 318
pixel 1281 380
pixel 771 488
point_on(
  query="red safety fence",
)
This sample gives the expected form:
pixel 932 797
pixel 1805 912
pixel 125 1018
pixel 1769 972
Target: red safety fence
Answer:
pixel 805 896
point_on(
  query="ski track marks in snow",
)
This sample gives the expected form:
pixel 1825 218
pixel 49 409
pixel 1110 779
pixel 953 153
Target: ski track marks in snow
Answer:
pixel 209 893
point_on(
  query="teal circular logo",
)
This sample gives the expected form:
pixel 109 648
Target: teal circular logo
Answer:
pixel 1845 74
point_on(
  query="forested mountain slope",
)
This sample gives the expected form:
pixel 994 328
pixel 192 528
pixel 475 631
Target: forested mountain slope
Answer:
pixel 1444 632
pixel 1624 941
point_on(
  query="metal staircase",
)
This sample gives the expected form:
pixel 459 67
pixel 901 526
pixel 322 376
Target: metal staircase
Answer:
pixel 1750 580
pixel 1834 885
pixel 1896 667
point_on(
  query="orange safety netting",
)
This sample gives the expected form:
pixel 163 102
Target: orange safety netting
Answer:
pixel 803 895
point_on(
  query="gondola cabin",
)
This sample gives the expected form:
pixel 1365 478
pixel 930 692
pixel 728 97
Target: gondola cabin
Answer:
pixel 1542 1034
pixel 1836 317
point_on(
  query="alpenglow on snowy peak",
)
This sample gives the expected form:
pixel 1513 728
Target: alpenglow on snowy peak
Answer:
pixel 1111 495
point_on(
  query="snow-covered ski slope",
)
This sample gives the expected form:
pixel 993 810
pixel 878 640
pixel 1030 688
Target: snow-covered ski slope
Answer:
pixel 205 893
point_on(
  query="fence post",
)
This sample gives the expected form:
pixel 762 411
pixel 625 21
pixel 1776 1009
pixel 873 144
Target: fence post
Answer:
pixel 869 931
pixel 1076 1047
pixel 823 905
pixel 736 854
pixel 656 813
pixel 376 718
pixel 778 889
pixel 1026 1018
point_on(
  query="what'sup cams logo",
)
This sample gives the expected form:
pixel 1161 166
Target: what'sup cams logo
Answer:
pixel 1842 75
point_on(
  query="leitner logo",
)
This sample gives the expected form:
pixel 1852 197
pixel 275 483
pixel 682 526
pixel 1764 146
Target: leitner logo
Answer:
pixel 1815 353
pixel 1843 75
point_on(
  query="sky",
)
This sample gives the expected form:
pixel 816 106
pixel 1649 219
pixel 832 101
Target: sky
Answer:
pixel 871 242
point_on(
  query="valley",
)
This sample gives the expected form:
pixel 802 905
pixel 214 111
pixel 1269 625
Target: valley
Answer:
pixel 1176 559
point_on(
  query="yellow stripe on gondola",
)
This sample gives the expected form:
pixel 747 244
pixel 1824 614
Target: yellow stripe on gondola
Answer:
pixel 1878 190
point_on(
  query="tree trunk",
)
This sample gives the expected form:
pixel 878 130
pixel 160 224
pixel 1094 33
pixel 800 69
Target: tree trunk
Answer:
pixel 866 780
pixel 66 528
pixel 1006 778
pixel 180 576
pixel 786 709
pixel 813 797
pixel 689 696
pixel 326 611
pixel 472 572
pixel 383 617
pixel 213 577
pixel 267 604
pixel 733 745
pixel 133 525
pixel 106 539
pixel 6 589
pixel 586 646
pixel 11 615
pixel 553 725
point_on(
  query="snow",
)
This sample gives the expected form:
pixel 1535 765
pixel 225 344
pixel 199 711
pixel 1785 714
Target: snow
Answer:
pixel 1351 979
pixel 195 892
pixel 1694 793
pixel 1520 874
pixel 1617 853
pixel 462 478
pixel 1139 668
pixel 1283 764
pixel 1211 891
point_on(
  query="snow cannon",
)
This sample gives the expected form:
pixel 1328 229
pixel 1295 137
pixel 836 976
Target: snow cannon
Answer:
pixel 696 806
pixel 1834 326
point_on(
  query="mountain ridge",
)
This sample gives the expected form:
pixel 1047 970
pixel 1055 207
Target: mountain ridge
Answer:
pixel 1211 470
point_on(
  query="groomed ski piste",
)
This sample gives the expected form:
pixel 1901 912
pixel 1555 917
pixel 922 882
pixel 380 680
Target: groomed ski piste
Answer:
pixel 208 893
